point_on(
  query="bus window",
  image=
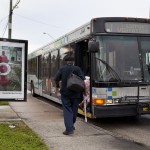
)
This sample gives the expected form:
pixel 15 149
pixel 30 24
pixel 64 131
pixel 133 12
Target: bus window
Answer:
pixel 117 52
pixel 45 65
pixel 54 63
pixel 32 66
pixel 145 49
pixel 39 73
pixel 45 71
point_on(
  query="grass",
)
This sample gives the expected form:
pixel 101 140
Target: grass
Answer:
pixel 19 138
pixel 3 103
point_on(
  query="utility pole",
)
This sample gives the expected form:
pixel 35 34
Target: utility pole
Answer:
pixel 11 9
pixel 10 20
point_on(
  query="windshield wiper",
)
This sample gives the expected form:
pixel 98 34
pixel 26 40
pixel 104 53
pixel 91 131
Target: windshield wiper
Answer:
pixel 110 69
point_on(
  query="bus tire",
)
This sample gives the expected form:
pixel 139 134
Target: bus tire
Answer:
pixel 32 90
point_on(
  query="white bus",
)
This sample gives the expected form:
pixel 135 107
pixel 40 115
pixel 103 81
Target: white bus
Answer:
pixel 114 52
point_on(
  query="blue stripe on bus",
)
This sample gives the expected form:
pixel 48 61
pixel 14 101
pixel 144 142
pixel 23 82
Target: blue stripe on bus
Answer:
pixel 109 97
pixel 109 89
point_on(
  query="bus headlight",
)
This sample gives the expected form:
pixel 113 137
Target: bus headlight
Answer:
pixel 109 101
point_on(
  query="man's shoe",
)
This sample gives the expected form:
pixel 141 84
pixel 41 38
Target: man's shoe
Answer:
pixel 67 133
pixel 74 128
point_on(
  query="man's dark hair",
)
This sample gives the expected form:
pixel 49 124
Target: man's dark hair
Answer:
pixel 68 58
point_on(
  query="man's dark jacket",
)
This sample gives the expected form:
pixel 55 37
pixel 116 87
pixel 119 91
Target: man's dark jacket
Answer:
pixel 62 75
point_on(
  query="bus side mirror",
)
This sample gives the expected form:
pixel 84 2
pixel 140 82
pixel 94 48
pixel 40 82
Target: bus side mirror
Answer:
pixel 93 46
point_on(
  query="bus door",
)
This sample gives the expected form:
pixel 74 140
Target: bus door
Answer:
pixel 82 57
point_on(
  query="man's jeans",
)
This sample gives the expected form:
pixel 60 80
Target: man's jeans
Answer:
pixel 70 108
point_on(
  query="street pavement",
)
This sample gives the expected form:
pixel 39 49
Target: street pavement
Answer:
pixel 47 121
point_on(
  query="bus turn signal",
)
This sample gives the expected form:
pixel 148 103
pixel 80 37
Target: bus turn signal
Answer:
pixel 98 101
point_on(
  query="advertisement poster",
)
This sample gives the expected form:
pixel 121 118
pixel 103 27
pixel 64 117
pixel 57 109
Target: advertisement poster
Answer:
pixel 13 69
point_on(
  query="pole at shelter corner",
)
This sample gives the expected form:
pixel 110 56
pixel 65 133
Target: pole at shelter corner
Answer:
pixel 10 20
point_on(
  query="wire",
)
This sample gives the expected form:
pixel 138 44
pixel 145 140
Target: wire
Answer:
pixel 5 29
pixel 15 6
pixel 3 19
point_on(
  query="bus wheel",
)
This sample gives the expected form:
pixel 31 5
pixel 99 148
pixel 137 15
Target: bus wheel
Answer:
pixel 32 90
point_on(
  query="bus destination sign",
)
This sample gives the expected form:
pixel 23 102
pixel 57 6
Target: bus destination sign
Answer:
pixel 127 27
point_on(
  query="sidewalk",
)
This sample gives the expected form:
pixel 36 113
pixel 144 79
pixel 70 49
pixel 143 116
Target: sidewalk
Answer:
pixel 47 121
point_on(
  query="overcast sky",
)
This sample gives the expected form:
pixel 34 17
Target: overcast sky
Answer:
pixel 58 17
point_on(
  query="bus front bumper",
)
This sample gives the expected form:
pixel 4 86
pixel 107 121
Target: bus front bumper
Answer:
pixel 120 110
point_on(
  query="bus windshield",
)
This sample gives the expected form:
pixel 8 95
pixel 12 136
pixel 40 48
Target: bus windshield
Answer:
pixel 122 54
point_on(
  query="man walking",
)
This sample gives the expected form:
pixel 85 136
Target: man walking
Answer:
pixel 70 99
